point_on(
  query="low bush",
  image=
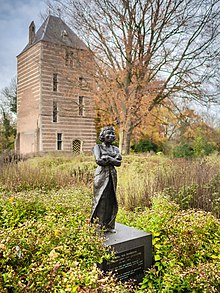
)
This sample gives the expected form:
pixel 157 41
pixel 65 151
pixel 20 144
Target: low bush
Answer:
pixel 183 150
pixel 145 145
pixel 47 244
pixel 186 247
pixel 197 148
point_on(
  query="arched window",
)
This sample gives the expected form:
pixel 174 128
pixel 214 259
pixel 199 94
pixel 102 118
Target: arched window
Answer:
pixel 76 147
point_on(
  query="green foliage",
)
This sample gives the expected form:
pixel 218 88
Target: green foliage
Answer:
pixel 198 148
pixel 202 147
pixel 186 247
pixel 144 145
pixel 8 105
pixel 15 212
pixel 47 244
pixel 184 150
pixel 204 193
pixel 183 196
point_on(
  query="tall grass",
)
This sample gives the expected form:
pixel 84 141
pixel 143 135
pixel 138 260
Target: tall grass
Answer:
pixel 45 173
pixel 190 183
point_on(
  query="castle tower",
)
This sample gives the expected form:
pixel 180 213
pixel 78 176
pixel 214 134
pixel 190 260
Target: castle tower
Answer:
pixel 55 107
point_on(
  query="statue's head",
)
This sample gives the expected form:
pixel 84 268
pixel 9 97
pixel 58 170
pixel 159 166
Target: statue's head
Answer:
pixel 105 131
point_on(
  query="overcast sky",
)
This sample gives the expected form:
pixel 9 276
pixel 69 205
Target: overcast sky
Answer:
pixel 15 18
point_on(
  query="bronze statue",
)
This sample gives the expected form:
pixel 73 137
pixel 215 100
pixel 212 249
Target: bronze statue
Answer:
pixel 107 156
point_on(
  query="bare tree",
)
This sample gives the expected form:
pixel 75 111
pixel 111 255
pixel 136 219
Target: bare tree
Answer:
pixel 147 51
pixel 9 97
pixel 8 109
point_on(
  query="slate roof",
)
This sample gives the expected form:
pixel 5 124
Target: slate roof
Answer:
pixel 54 30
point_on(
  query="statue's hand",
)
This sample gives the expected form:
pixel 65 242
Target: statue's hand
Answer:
pixel 105 158
pixel 118 157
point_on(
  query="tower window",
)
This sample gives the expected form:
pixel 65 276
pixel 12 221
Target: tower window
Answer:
pixel 59 141
pixel 55 111
pixel 81 105
pixel 55 82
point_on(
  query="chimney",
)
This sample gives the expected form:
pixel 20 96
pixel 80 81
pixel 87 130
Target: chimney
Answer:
pixel 31 32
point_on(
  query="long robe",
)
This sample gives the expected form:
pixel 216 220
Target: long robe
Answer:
pixel 105 206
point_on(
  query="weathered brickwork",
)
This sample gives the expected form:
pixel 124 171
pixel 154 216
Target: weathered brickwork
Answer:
pixel 55 95
pixel 28 92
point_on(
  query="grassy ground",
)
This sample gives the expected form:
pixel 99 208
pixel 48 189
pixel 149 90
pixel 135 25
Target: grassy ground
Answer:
pixel 48 245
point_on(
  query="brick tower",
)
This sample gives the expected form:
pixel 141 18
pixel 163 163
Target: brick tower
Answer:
pixel 55 92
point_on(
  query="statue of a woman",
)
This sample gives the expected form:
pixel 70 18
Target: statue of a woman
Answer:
pixel 105 204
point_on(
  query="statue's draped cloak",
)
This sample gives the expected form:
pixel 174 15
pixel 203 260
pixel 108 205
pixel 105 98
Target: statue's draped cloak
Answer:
pixel 105 204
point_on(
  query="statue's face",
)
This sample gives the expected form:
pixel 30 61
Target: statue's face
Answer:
pixel 109 136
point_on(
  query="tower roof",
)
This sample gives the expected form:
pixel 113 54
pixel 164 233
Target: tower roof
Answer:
pixel 54 30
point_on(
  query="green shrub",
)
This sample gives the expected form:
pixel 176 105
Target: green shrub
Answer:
pixel 203 194
pixel 145 145
pixel 16 211
pixel 184 150
pixel 186 247
pixel 202 147
pixel 197 148
pixel 47 244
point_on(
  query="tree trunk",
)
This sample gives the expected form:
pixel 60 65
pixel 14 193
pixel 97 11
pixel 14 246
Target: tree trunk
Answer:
pixel 124 141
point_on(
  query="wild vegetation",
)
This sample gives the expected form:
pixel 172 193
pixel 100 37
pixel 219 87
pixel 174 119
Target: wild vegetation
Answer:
pixel 150 55
pixel 48 245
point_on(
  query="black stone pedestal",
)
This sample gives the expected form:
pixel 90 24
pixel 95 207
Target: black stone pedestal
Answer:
pixel 133 251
